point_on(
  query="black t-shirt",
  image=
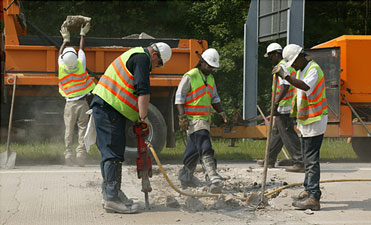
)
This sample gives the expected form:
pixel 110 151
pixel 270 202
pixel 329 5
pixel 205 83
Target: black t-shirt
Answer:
pixel 139 65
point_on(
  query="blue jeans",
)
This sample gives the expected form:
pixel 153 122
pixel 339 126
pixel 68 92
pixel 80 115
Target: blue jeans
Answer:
pixel 310 147
pixel 110 127
pixel 198 144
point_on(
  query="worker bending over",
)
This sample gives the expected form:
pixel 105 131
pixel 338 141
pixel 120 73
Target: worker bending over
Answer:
pixel 283 132
pixel 310 109
pixel 75 85
pixel 122 94
pixel 195 97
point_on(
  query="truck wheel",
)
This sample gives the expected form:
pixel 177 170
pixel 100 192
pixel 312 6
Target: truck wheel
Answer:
pixel 157 135
pixel 362 148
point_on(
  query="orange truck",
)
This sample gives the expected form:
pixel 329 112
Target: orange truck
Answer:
pixel 31 61
pixel 346 66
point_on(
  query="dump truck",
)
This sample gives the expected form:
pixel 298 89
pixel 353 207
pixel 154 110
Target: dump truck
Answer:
pixel 344 61
pixel 31 62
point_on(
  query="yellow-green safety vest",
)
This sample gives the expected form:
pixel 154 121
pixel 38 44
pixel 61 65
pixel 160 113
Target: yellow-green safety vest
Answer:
pixel 116 86
pixel 198 101
pixel 75 82
pixel 287 100
pixel 312 107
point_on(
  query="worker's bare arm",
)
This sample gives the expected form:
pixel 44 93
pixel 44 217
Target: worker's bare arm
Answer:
pixel 218 108
pixel 297 83
pixel 180 108
pixel 143 101
pixel 62 47
pixel 82 42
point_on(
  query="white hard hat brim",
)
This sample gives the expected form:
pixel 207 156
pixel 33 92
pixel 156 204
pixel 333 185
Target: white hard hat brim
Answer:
pixel 266 55
pixel 215 65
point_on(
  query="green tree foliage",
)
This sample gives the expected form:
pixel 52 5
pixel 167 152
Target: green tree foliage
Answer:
pixel 221 23
pixel 326 20
pixel 161 19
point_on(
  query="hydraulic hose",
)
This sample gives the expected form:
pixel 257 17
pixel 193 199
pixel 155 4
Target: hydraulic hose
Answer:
pixel 240 198
pixel 171 183
pixel 322 181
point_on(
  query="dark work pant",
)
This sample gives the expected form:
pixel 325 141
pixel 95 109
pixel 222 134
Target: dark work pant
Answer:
pixel 110 127
pixel 198 144
pixel 283 133
pixel 310 147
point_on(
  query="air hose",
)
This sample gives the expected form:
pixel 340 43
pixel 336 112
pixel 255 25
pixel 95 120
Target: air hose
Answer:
pixel 218 195
pixel 171 183
pixel 322 181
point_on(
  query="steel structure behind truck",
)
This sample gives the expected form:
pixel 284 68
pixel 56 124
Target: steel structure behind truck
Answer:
pixel 345 63
pixel 34 61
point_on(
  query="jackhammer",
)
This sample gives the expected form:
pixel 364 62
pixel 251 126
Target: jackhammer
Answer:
pixel 144 163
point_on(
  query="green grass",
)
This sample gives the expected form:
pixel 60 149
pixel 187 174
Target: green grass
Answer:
pixel 44 152
pixel 245 150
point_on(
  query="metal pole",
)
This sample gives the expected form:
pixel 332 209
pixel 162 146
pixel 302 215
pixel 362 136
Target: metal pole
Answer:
pixel 10 120
pixel 356 114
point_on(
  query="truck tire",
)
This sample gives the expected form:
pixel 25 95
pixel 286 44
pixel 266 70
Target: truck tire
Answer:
pixel 157 135
pixel 362 148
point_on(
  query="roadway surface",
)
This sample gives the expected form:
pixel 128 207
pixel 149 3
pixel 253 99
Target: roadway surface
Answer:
pixel 71 195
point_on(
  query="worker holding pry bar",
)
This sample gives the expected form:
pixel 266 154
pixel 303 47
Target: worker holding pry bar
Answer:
pixel 283 132
pixel 310 109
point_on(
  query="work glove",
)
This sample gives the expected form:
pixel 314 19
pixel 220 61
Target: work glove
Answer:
pixel 65 34
pixel 183 122
pixel 279 71
pixel 224 116
pixel 84 29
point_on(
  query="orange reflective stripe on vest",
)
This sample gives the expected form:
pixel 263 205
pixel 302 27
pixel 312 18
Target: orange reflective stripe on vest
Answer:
pixel 287 99
pixel 76 83
pixel 123 73
pixel 120 92
pixel 313 110
pixel 198 101
pixel 312 107
pixel 198 93
pixel 116 86
pixel 77 87
pixel 316 94
pixel 197 109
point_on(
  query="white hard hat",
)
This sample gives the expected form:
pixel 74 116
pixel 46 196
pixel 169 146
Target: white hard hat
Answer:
pixel 69 57
pixel 290 53
pixel 273 47
pixel 211 57
pixel 164 49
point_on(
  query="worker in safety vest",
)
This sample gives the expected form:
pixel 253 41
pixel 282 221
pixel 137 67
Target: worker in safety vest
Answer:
pixel 283 132
pixel 75 85
pixel 310 109
pixel 195 98
pixel 122 94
